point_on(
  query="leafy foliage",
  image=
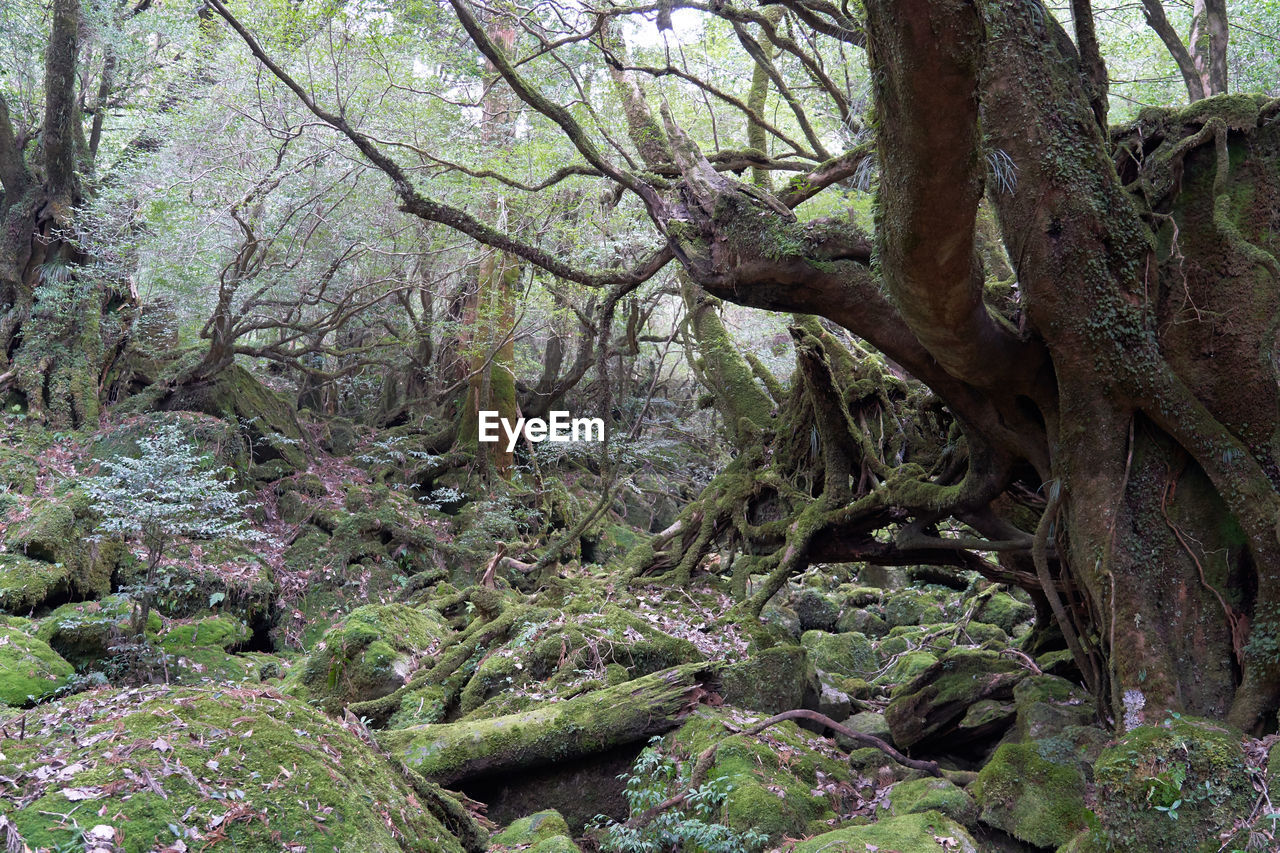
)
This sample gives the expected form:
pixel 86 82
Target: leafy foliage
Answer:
pixel 690 827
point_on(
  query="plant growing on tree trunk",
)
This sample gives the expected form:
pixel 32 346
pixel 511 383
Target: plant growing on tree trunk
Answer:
pixel 169 492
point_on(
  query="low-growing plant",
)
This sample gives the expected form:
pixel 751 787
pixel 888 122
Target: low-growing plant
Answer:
pixel 692 826
pixel 168 492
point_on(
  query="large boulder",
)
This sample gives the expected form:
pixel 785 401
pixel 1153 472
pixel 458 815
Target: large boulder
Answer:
pixel 1173 787
pixel 245 769
pixel 370 653
pixel 29 669
pixel 52 554
pixel 963 702
pixel 216 438
pixel 771 681
pixel 784 781
pixel 85 632
pixel 1033 791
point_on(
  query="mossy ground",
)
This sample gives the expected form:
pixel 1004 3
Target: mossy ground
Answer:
pixel 250 768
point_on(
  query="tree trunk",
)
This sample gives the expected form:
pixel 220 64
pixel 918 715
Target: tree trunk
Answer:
pixel 585 725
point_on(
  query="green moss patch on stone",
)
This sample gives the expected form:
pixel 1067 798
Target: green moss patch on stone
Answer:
pixel 29 669
pixel 1032 797
pixel 922 832
pixel 1198 764
pixel 370 653
pixel 247 768
pixel 84 633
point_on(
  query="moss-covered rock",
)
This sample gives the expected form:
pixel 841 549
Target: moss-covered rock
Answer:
pixel 370 653
pixel 56 531
pixel 1005 612
pixel 1031 793
pixel 250 769
pixel 1047 705
pixel 780 781
pixel 26 583
pixel 568 651
pixel 84 633
pixel 921 832
pixel 815 610
pixel 220 631
pixel 772 681
pixel 862 620
pixel 850 654
pixel 530 830
pixel 920 606
pixel 931 794
pixel 928 709
pixel 29 669
pixel 213 437
pixel 1193 768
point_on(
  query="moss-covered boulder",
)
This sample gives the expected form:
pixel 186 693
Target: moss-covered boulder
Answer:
pixel 931 794
pixel 585 645
pixel 272 431
pixel 927 711
pixel 544 831
pixel 84 633
pixel 921 606
pixel 863 620
pixel 1034 793
pixel 850 654
pixel 921 832
pixel 248 769
pixel 29 669
pixel 1174 786
pixel 1004 611
pixel 25 584
pixel 771 681
pixel 815 609
pixel 370 653
pixel 56 532
pixel 779 782
pixel 1046 705
pixel 219 631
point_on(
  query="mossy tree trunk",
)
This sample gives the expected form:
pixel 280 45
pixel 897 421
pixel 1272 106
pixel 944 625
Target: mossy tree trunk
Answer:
pixel 1124 394
pixel 490 309
pixel 53 345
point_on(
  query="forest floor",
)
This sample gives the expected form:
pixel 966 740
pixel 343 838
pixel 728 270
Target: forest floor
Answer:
pixel 365 674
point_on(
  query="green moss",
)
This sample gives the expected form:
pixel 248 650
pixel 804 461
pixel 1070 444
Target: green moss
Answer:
pixel 26 583
pixel 532 829
pixel 29 669
pixel 1197 764
pixel 1030 796
pixel 84 633
pixel 248 764
pixel 770 681
pixel 57 530
pixel 780 781
pixel 370 653
pixel 1005 612
pixel 910 833
pixel 220 631
pixel 930 706
pixel 931 794
pixel 847 654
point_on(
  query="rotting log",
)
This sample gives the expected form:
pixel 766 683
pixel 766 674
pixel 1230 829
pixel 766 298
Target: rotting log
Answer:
pixel 562 731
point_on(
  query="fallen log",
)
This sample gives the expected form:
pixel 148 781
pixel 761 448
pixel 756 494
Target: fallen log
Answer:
pixel 585 725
